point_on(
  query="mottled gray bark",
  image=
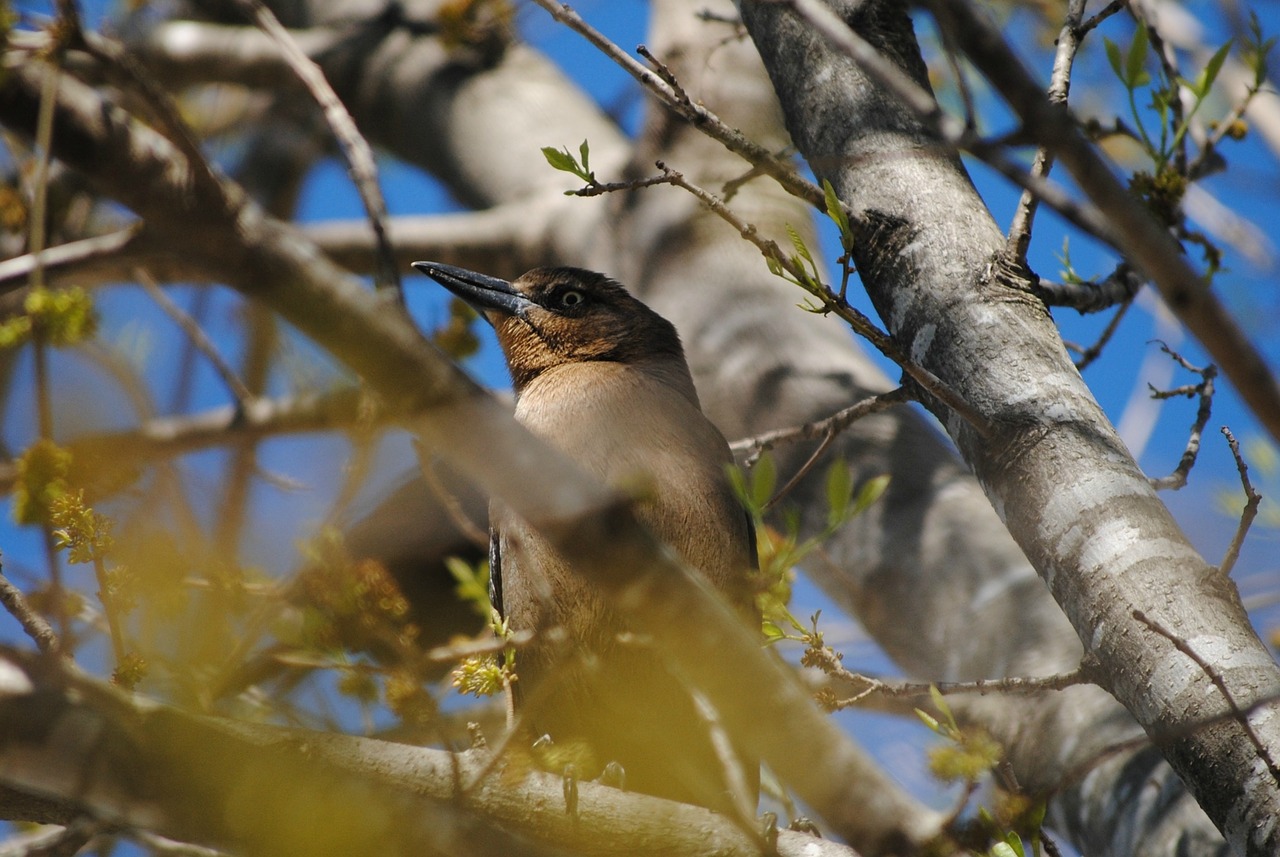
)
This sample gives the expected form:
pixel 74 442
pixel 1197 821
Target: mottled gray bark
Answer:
pixel 932 260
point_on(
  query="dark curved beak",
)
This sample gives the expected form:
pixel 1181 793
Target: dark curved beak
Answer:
pixel 484 293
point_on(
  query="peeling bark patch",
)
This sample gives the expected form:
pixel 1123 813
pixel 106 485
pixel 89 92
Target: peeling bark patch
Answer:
pixel 1075 505
pixel 1082 531
pixel 920 345
pixel 1257 783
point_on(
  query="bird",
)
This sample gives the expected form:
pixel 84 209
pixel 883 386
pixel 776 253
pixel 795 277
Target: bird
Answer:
pixel 603 378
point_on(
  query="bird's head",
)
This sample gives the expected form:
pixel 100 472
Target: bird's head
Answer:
pixel 552 316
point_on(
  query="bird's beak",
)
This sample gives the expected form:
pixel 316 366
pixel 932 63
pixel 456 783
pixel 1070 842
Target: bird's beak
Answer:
pixel 482 292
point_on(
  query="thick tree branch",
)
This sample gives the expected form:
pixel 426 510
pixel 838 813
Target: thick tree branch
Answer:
pixel 267 790
pixel 959 312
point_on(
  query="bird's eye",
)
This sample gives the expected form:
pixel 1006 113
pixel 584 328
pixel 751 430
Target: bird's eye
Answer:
pixel 571 299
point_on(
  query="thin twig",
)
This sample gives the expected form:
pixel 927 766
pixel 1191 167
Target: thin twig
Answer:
pixel 808 465
pixel 1103 14
pixel 1090 297
pixel 109 609
pixel 125 68
pixel 833 303
pixel 40 631
pixel 168 437
pixel 1247 514
pixel 825 659
pixel 756 446
pixel 698 115
pixel 355 472
pixel 40 347
pixel 243 395
pixel 962 82
pixel 949 130
pixel 1178 478
pixel 1090 354
pixel 1168 63
pixel 359 156
pixel 1208 160
pixel 452 508
pixel 1236 713
pixel 597 188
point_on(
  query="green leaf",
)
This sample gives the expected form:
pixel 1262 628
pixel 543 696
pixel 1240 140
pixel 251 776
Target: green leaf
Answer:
pixel 1002 849
pixel 1211 69
pixel 798 243
pixel 1113 56
pixel 1135 72
pixel 473 583
pixel 839 493
pixel 772 633
pixel 585 154
pixel 561 160
pixel 835 210
pixel 763 477
pixel 929 721
pixel 738 482
pixel 870 492
pixel 940 703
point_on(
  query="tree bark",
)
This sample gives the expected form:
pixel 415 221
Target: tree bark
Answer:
pixel 933 263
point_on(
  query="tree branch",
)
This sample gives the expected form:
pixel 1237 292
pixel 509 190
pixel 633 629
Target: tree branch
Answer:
pixel 1139 236
pixel 274 791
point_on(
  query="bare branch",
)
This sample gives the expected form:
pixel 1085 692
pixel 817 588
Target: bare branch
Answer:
pixel 1103 14
pixel 1119 288
pixel 360 161
pixel 1178 478
pixel 46 639
pixel 831 302
pixel 699 116
pixel 107 258
pixel 756 446
pixel 168 437
pixel 453 508
pixel 1236 713
pixel 1250 511
pixel 1134 230
pixel 404 798
pixel 243 395
pixel 1090 354
pixel 947 128
pixel 1069 38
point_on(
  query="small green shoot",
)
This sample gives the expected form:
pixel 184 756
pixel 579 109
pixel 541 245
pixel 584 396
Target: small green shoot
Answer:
pixel 782 549
pixel 564 161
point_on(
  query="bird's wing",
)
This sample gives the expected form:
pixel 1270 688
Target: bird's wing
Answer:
pixel 495 570
pixel 753 549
